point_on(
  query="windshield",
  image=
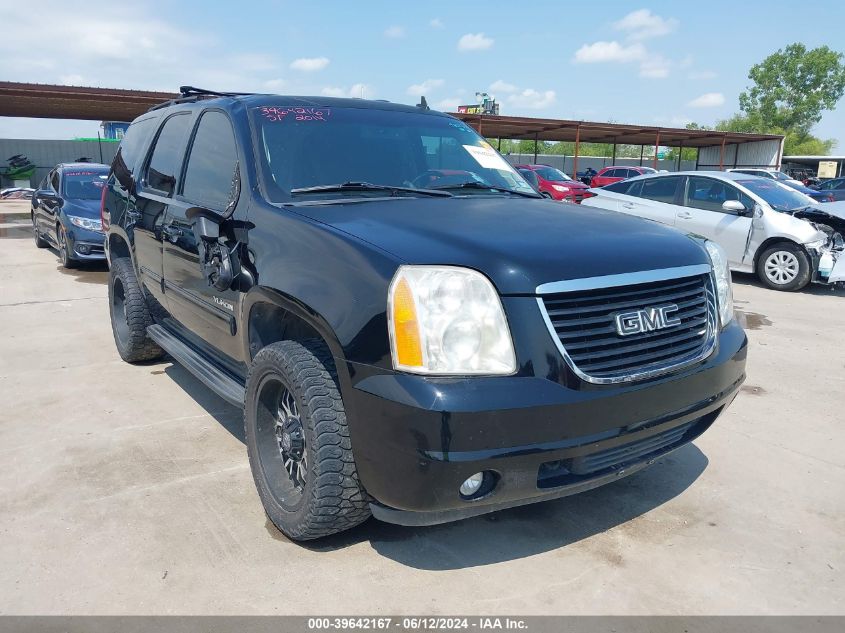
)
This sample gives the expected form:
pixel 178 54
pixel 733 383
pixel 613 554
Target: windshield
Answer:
pixel 779 175
pixel 550 173
pixel 84 184
pixel 310 147
pixel 780 197
pixel 647 170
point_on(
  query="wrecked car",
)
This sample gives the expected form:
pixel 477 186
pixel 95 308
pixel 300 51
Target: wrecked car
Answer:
pixel 765 227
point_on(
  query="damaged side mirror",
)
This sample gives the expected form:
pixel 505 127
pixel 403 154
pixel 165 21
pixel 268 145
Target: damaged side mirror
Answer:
pixel 215 257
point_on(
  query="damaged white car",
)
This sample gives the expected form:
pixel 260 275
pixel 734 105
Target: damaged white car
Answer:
pixel 765 227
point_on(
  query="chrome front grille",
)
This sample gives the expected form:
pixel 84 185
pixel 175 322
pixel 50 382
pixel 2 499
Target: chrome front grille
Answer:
pixel 583 321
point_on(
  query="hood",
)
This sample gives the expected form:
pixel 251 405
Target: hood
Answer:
pixel 518 243
pixel 82 208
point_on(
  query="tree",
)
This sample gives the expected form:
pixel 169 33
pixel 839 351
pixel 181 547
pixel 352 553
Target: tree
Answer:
pixel 793 86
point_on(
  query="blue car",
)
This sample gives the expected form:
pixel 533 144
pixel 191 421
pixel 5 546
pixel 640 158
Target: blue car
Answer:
pixel 66 212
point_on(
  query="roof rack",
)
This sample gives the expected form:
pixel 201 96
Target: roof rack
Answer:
pixel 189 94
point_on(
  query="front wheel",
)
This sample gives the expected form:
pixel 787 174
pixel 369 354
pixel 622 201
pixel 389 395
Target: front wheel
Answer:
pixel 64 250
pixel 784 266
pixel 298 442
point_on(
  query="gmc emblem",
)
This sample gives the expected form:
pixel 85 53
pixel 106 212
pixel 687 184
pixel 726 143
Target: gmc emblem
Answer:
pixel 646 320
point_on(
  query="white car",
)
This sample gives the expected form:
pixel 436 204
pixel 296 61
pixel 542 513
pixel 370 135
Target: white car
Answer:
pixel 767 173
pixel 762 225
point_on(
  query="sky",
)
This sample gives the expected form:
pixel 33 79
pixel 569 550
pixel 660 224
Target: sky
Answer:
pixel 659 63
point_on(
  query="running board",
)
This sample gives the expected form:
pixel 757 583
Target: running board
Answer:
pixel 219 381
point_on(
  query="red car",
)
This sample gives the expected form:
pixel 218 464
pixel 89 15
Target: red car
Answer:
pixel 554 184
pixel 610 175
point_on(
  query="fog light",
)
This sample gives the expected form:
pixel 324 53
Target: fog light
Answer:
pixel 472 485
pixel 82 249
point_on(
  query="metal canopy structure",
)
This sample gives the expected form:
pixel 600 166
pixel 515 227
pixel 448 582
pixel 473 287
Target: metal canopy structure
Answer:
pixel 46 101
pixel 526 128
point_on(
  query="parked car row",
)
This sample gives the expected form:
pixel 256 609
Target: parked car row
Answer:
pixel 764 226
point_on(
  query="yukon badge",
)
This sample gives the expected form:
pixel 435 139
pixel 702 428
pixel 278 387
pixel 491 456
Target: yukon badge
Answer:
pixel 224 304
pixel 646 320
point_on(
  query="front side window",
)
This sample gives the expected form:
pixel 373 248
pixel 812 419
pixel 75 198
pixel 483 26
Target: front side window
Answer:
pixel 130 148
pixel 710 194
pixel 660 189
pixel 618 187
pixel 84 184
pixel 211 172
pixel 167 154
pixel 54 181
pixel 304 148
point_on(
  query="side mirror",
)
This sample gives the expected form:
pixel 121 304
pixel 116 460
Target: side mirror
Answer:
pixel 48 195
pixel 215 257
pixel 735 206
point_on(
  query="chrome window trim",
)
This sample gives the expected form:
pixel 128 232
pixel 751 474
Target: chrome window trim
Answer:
pixel 625 279
pixel 628 279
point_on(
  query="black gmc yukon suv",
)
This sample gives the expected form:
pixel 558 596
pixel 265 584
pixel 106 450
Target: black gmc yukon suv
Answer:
pixel 411 330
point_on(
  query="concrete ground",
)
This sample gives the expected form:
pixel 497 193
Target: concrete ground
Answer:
pixel 126 490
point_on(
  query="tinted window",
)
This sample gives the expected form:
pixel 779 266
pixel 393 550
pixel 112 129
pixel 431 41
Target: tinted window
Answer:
pixel 210 176
pixel 660 189
pixel 130 149
pixel 530 176
pixel 610 173
pixel 709 194
pixel 54 181
pixel 84 184
pixel 167 155
pixel 618 187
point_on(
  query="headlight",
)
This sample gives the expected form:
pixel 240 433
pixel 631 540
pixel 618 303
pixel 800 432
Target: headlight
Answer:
pixel 447 320
pixel 85 223
pixel 560 188
pixel 722 276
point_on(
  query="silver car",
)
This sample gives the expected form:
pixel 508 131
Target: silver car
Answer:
pixel 762 225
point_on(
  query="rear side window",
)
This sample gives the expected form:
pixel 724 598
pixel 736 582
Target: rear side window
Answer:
pixel 618 187
pixel 610 173
pixel 130 149
pixel 210 175
pixel 660 189
pixel 167 155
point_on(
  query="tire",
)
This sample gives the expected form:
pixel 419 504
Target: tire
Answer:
pixel 784 266
pixel 40 242
pixel 130 316
pixel 64 253
pixel 308 483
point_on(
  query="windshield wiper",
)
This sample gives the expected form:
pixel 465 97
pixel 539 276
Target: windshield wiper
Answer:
pixel 368 186
pixel 471 184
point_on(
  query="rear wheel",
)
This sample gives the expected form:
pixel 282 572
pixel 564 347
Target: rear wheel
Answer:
pixel 130 315
pixel 784 266
pixel 298 442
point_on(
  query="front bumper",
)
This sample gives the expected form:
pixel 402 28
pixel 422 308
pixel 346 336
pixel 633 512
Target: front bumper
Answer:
pixel 85 245
pixel 417 439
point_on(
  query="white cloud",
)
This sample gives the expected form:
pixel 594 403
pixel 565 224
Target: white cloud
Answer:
pixel 474 42
pixel 643 24
pixel 436 23
pixel 360 90
pixel 655 67
pixel 274 85
pixel 502 86
pixel 600 52
pixel 450 105
pixel 395 32
pixel 700 75
pixel 309 64
pixel 532 99
pixel 425 87
pixel 708 100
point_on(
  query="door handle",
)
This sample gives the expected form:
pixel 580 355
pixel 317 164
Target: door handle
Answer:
pixel 685 216
pixel 627 205
pixel 172 233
